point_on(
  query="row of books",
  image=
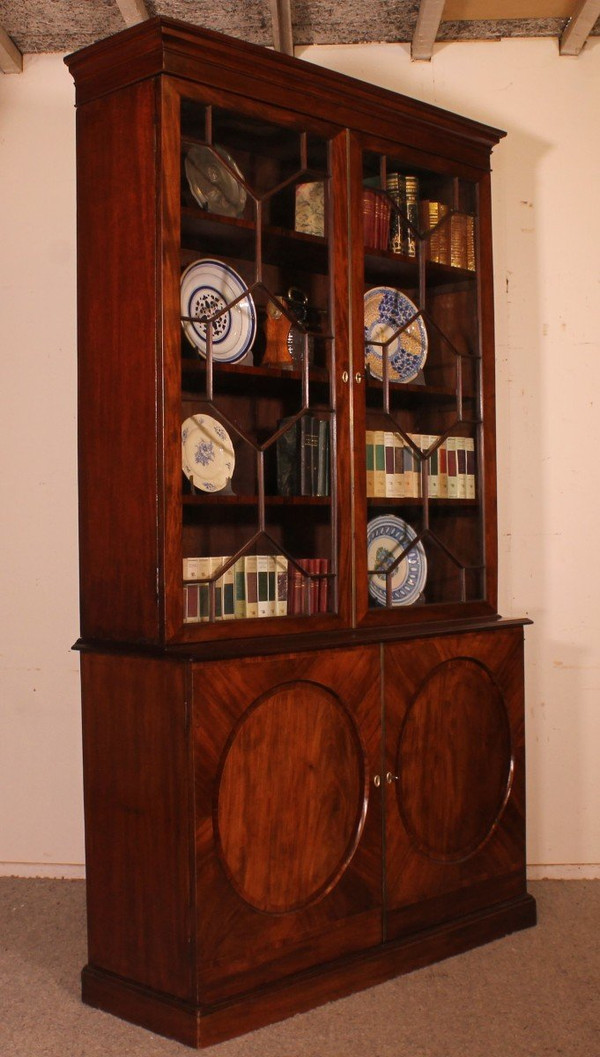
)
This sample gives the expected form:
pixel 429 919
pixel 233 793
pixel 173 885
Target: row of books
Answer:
pixel 394 468
pixel 453 241
pixel 303 457
pixel 452 234
pixel 257 585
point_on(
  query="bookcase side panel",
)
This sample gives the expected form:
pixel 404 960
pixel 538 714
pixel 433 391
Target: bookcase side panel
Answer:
pixel 118 392
pixel 137 821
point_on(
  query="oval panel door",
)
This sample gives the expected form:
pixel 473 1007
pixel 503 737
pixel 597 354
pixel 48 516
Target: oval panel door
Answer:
pixel 454 761
pixel 290 798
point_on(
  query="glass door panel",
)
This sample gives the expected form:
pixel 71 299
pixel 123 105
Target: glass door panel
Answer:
pixel 422 360
pixel 258 398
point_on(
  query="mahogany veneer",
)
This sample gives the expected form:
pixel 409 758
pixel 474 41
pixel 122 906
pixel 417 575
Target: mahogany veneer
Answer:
pixel 281 811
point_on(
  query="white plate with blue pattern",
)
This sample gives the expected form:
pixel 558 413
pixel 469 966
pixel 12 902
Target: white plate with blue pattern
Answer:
pixel 208 458
pixel 387 538
pixel 386 311
pixel 209 289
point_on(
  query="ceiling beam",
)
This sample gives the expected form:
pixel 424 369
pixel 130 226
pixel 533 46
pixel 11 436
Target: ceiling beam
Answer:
pixel 283 34
pixel 578 28
pixel 428 23
pixel 11 60
pixel 133 11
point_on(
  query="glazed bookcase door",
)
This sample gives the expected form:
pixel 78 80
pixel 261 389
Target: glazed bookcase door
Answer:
pixel 257 410
pixel 424 430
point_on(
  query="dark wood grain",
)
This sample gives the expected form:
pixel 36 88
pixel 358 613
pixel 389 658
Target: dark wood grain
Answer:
pixel 455 748
pixel 137 786
pixel 117 322
pixel 288 828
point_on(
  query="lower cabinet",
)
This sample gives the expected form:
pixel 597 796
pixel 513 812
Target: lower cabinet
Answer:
pixel 266 833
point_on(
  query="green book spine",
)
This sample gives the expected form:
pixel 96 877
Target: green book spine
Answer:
pixel 287 461
pixel 323 457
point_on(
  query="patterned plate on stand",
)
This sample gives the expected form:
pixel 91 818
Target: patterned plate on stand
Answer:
pixel 387 538
pixel 208 458
pixel 386 310
pixel 215 180
pixel 207 288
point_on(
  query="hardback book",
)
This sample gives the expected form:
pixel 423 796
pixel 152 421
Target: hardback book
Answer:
pixel 309 455
pixel 396 484
pixel 323 444
pixel 191 603
pixel 240 588
pixel 434 468
pixel 412 214
pixel 470 448
pixel 388 442
pixel 461 468
pixel 281 585
pixel 379 474
pixel 452 468
pixel 226 586
pixel 262 576
pixel 287 455
pixel 369 223
pixel 396 187
pixel 251 575
pixel 216 588
pixel 323 569
pixel 370 460
pixel 443 469
pixel 296 588
pixel 415 465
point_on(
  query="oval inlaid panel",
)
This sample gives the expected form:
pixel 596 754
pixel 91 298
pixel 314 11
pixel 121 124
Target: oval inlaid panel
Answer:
pixel 454 761
pixel 291 798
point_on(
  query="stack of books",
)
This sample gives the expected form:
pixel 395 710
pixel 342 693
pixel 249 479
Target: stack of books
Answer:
pixel 404 191
pixel 257 585
pixel 303 457
pixel 394 467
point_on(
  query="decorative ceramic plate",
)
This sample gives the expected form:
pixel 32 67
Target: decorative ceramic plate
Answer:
pixel 208 459
pixel 386 310
pixel 213 184
pixel 207 288
pixel 387 538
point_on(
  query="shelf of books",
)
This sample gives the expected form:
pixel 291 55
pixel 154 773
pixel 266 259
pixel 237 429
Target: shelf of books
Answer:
pixel 258 420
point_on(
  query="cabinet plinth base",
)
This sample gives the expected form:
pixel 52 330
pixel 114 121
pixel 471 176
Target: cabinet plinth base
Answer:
pixel 198 1026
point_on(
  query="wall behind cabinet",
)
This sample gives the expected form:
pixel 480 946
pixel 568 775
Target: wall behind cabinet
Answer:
pixel 547 234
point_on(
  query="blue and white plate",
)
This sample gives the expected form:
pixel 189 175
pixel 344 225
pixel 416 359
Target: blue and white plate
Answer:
pixel 208 288
pixel 386 310
pixel 207 455
pixel 387 538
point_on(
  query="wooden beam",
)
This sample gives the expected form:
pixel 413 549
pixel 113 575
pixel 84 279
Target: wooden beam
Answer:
pixel 283 34
pixel 428 23
pixel 578 28
pixel 11 60
pixel 133 11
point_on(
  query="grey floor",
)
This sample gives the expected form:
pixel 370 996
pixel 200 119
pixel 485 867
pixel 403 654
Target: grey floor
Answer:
pixel 532 994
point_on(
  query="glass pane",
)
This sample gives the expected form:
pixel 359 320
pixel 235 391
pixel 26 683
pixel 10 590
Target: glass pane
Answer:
pixel 257 412
pixel 422 365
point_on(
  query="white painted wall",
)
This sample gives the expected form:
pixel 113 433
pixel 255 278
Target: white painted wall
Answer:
pixel 547 243
pixel 40 758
